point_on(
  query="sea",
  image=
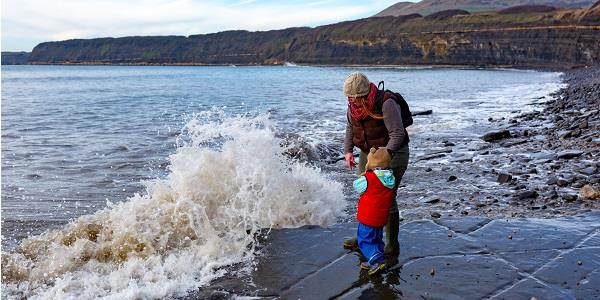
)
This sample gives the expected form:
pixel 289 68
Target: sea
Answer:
pixel 144 182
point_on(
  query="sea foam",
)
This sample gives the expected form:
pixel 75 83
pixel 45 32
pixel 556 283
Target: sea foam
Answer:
pixel 227 180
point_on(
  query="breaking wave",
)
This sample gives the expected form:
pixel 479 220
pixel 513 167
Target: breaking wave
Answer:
pixel 227 180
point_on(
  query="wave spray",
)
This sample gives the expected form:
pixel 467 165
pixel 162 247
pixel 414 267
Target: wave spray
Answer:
pixel 227 180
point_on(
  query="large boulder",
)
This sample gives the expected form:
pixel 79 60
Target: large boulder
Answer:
pixel 589 192
pixel 496 135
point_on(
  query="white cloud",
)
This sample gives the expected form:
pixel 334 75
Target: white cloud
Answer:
pixel 42 20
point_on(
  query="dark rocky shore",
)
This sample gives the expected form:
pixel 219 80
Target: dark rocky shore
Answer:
pixel 532 165
pixel 513 215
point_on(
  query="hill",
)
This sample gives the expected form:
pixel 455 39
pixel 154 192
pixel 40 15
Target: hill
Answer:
pixel 426 7
pixel 15 58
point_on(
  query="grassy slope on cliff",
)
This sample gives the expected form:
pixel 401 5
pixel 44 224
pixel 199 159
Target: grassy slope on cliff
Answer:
pixel 427 7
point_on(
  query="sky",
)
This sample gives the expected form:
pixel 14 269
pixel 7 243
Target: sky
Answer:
pixel 26 23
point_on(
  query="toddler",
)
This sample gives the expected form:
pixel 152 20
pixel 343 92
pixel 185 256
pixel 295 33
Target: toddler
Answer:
pixel 376 191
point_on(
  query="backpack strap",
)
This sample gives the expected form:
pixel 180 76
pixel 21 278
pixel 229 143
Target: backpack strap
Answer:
pixel 382 86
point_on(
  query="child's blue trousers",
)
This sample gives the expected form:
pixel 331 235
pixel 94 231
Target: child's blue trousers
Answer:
pixel 370 242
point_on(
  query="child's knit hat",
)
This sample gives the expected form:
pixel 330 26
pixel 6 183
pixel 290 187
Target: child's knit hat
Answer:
pixel 378 158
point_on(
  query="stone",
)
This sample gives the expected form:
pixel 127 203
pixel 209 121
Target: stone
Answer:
pixel 589 171
pixel 508 144
pixel 568 154
pixel 550 194
pixel 435 214
pixel 564 134
pixel 527 195
pixel 432 200
pixel 552 180
pixel 452 178
pixel 504 178
pixel 496 135
pixel 562 182
pixel 569 197
pixel 589 192
pixel 422 113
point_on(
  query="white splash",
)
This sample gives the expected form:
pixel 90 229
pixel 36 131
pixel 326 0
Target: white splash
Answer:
pixel 185 228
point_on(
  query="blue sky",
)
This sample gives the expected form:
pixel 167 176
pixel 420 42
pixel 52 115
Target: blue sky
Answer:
pixel 25 23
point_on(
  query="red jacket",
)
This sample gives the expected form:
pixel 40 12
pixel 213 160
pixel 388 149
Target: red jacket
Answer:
pixel 374 203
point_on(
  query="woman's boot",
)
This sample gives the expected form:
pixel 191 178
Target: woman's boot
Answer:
pixel 392 246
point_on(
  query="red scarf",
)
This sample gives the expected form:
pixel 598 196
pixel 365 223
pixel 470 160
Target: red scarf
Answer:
pixel 356 110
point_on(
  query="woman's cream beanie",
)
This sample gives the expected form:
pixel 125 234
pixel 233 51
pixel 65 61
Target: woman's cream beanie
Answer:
pixel 356 85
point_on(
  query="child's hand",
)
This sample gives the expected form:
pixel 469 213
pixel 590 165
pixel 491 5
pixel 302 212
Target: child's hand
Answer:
pixel 350 160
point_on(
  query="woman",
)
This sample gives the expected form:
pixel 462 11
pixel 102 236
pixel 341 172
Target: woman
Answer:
pixel 374 122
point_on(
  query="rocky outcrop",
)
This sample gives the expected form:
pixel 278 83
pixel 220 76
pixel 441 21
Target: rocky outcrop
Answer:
pixel 453 38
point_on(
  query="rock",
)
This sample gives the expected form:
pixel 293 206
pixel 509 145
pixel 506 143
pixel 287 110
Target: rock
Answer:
pixel 584 124
pixel 449 144
pixel 422 113
pixel 428 170
pixel 562 182
pixel 504 178
pixel 432 200
pixel 589 192
pixel 527 195
pixel 552 180
pixel 462 159
pixel 435 214
pixel 568 154
pixel 452 178
pixel 445 150
pixel 496 135
pixel 569 197
pixel 564 134
pixel 589 171
pixel 550 194
pixel 514 143
pixel 432 156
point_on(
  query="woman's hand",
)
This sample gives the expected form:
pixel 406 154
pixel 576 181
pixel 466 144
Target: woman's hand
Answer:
pixel 350 160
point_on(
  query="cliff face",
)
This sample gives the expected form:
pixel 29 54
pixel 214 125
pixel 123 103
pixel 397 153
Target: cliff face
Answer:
pixel 563 37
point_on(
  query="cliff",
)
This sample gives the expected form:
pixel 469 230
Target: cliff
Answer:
pixel 558 37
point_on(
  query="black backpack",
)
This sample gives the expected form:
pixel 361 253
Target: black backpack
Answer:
pixel 407 119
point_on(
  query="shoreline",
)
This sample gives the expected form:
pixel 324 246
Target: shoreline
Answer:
pixel 543 68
